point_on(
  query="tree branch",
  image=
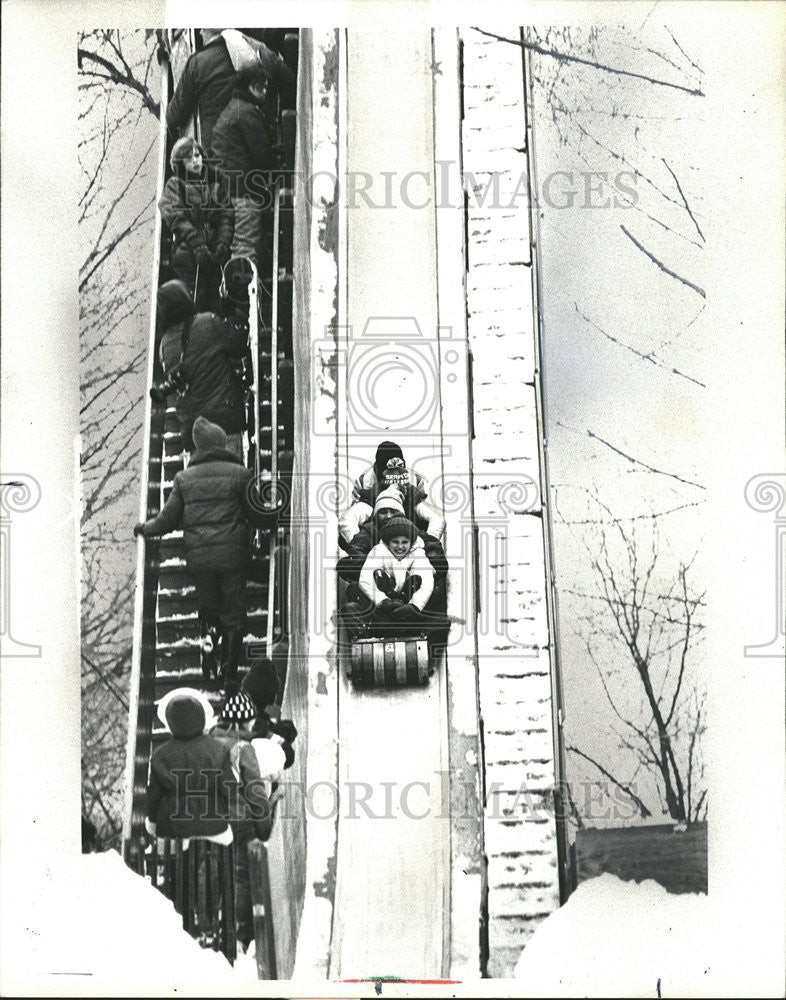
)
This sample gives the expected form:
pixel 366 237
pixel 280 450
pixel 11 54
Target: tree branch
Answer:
pixel 643 810
pixel 564 57
pixel 662 266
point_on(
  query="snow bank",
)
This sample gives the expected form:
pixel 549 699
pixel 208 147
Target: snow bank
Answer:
pixel 102 928
pixel 616 938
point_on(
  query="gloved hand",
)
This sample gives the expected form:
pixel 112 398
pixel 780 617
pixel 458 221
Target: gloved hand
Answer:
pixel 389 606
pixel 285 728
pixel 221 254
pixel 139 529
pixel 404 612
pixel 202 254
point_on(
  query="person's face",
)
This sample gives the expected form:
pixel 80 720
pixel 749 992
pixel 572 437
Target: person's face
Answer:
pixel 258 90
pixel 399 545
pixel 194 161
pixel 384 515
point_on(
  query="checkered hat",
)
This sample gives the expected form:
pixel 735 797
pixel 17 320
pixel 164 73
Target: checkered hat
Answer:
pixel 238 708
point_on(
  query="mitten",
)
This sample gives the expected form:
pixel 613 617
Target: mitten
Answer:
pixel 221 253
pixel 389 606
pixel 286 729
pixel 404 612
pixel 150 826
pixel 202 254
pixel 139 529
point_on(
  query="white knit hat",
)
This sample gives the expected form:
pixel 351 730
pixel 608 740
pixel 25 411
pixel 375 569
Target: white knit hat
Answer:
pixel 389 499
pixel 189 694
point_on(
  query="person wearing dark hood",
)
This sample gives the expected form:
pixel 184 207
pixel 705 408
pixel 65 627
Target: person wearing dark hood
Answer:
pixel 208 500
pixel 209 78
pixel 196 207
pixel 243 145
pixel 200 354
pixel 389 469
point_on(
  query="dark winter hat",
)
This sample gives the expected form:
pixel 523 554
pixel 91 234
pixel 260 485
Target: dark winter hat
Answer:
pixel 385 451
pixel 173 303
pixel 238 708
pixel 395 473
pixel 261 683
pixel 255 73
pixel 207 436
pixel 185 717
pixel 397 526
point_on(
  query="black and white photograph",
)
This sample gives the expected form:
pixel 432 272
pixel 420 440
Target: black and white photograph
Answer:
pixel 393 500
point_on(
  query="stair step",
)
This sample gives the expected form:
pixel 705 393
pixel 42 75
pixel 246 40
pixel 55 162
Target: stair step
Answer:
pixel 177 629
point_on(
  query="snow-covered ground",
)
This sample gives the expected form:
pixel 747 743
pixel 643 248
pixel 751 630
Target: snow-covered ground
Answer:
pixel 99 929
pixel 105 931
pixel 612 938
pixel 616 938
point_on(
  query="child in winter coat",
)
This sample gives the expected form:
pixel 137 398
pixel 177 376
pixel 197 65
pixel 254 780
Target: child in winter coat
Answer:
pixel 388 505
pixel 190 775
pixel 243 144
pixel 200 354
pixel 251 814
pixel 389 469
pixel 197 209
pixel 395 584
pixel 209 500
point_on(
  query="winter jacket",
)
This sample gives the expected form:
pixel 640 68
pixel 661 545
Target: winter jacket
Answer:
pixel 368 537
pixel 188 789
pixel 198 210
pixel 208 82
pixel 414 562
pixel 209 500
pixel 414 491
pixel 248 799
pixel 367 487
pixel 243 148
pixel 215 390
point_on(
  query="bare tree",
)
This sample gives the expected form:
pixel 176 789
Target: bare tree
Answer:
pixel 608 100
pixel 640 635
pixel 118 110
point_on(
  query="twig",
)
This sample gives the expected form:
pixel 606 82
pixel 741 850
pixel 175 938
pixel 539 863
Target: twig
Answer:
pixel 563 57
pixel 662 266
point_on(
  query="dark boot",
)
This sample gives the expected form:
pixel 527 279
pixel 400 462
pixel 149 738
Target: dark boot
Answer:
pixel 231 651
pixel 208 654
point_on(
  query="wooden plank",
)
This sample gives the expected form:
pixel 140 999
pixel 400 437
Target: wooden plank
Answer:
pixel 229 935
